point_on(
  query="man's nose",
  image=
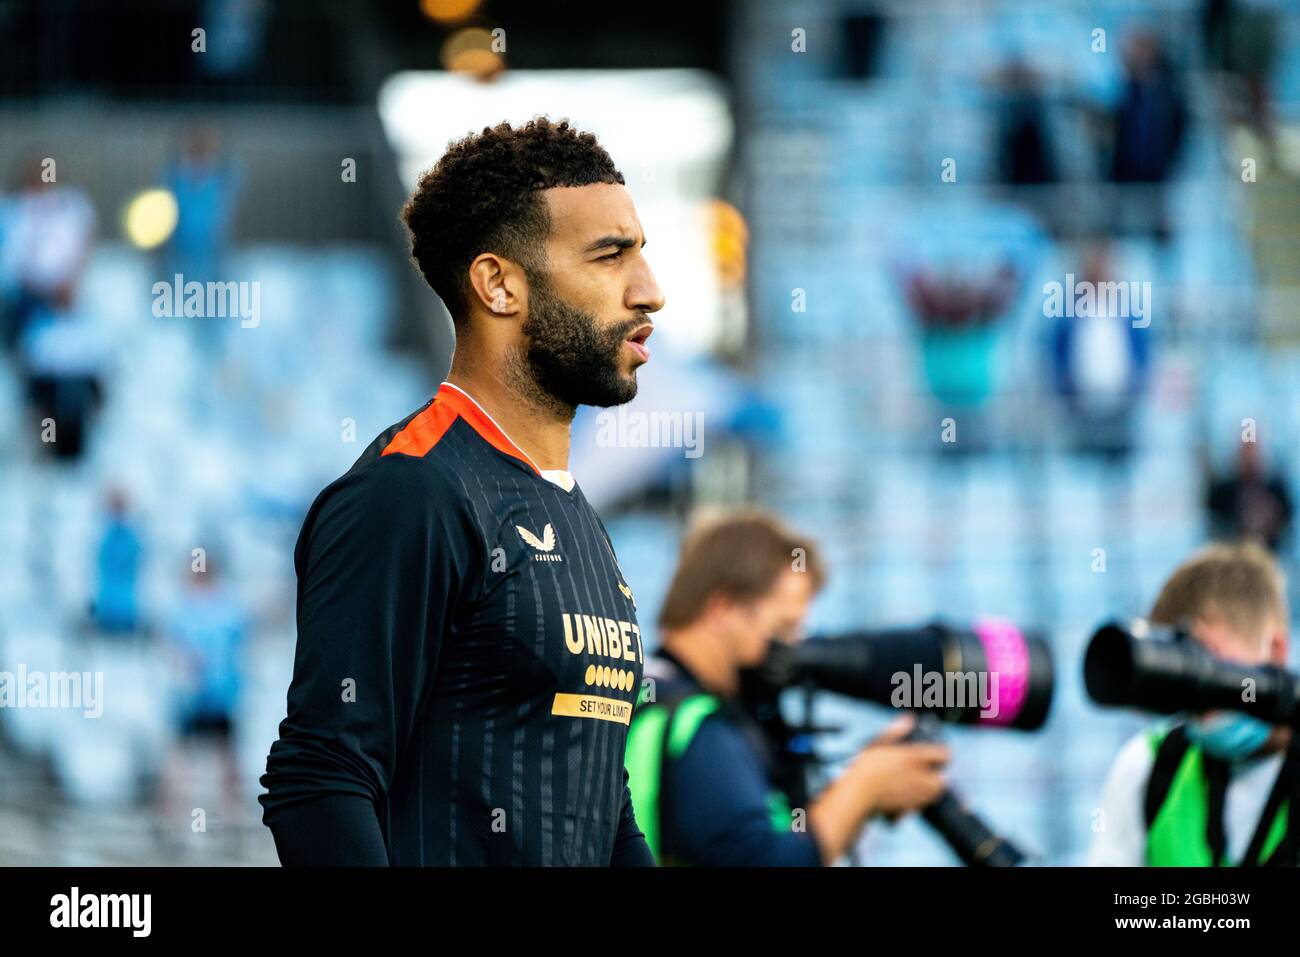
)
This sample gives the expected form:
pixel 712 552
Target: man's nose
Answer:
pixel 644 295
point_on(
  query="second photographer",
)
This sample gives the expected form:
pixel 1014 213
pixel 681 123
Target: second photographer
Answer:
pixel 1209 789
pixel 705 778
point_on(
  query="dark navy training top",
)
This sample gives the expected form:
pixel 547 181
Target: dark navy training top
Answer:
pixel 468 657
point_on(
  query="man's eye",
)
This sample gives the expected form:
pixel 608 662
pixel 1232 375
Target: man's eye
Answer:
pixel 613 255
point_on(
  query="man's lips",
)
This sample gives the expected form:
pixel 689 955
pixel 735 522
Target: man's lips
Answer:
pixel 638 338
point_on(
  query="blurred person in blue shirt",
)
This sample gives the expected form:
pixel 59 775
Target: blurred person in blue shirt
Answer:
pixel 206 185
pixel 115 607
pixel 205 635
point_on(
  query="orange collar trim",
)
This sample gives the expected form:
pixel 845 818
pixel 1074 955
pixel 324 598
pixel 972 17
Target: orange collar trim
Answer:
pixel 463 404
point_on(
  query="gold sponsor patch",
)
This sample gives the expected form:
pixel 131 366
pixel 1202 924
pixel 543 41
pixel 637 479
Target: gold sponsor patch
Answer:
pixel 592 706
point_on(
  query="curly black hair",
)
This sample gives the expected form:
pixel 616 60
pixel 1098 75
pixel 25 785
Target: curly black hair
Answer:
pixel 483 195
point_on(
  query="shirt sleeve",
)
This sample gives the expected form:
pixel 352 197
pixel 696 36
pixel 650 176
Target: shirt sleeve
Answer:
pixel 719 813
pixel 630 847
pixel 381 563
pixel 1119 831
pixel 337 829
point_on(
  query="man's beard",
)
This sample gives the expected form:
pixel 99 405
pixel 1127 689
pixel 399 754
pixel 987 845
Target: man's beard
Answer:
pixel 569 359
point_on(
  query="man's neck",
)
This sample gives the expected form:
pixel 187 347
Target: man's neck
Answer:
pixel 541 433
pixel 706 662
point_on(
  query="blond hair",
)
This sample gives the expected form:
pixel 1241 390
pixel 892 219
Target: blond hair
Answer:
pixel 1241 586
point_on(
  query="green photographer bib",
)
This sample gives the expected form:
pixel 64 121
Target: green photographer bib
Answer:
pixel 660 733
pixel 1184 802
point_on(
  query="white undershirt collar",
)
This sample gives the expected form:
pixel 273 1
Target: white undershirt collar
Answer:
pixel 561 477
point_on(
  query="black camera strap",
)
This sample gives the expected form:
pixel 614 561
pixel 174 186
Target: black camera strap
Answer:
pixel 1217 774
pixel 1168 757
pixel 1286 786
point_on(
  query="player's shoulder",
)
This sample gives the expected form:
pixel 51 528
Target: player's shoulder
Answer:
pixel 403 479
pixel 414 451
pixel 389 497
pixel 385 478
pixel 423 433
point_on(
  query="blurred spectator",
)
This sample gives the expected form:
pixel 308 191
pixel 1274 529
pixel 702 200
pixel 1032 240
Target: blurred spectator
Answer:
pixel 1148 126
pixel 62 356
pixel 237 29
pixel 205 184
pixel 1099 365
pixel 45 240
pixel 1241 40
pixel 205 635
pixel 1249 502
pixel 863 36
pixel 115 608
pixel 1024 144
pixel 957 314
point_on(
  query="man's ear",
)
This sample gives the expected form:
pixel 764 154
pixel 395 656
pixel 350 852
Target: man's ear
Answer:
pixel 717 607
pixel 724 615
pixel 496 284
pixel 1279 646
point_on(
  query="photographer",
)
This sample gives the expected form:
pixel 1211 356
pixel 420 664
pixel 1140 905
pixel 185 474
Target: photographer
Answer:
pixel 1209 789
pixel 702 771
